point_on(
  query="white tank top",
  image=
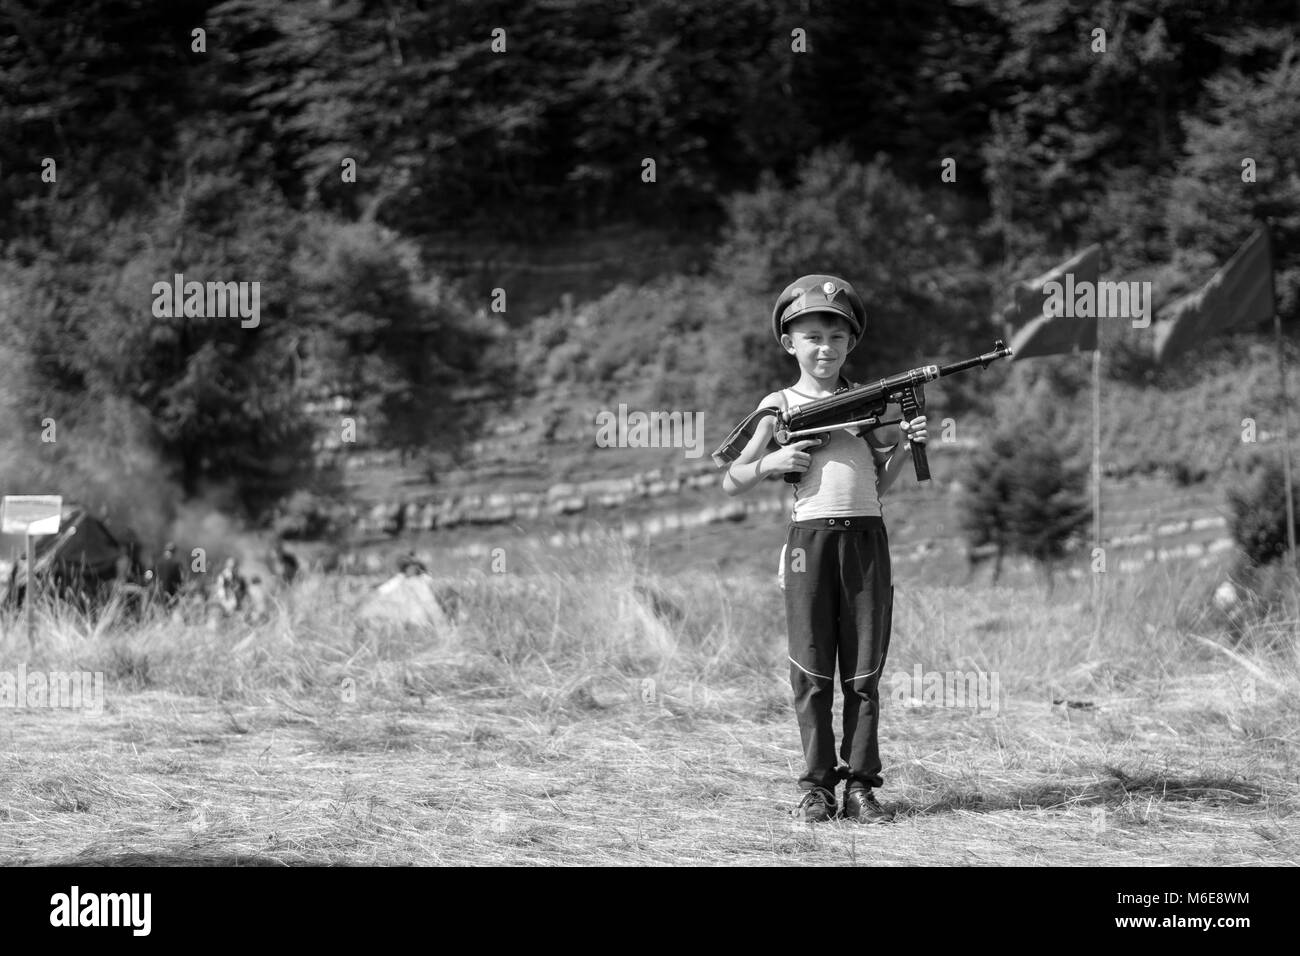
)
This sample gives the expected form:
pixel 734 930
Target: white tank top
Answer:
pixel 841 481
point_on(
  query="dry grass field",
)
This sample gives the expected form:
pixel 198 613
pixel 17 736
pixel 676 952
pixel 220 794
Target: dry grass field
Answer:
pixel 583 710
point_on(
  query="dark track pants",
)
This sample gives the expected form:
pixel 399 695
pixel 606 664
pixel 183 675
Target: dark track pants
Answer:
pixel 839 598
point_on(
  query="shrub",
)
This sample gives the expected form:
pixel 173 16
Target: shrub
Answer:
pixel 307 516
pixel 1185 475
pixel 1258 505
pixel 1023 497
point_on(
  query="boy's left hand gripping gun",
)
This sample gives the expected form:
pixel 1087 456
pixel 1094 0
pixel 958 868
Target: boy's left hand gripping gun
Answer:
pixel 862 406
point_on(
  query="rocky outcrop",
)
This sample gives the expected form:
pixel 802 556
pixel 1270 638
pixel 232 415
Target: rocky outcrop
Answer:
pixel 559 500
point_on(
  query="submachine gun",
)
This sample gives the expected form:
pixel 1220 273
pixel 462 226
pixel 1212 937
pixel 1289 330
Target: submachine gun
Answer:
pixel 861 406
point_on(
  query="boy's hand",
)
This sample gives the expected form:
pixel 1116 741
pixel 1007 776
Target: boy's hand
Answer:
pixel 792 457
pixel 914 431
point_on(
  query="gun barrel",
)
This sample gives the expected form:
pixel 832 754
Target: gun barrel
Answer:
pixel 999 351
pixel 915 376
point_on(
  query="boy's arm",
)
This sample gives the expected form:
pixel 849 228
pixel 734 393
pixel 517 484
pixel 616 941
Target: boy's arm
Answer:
pixel 748 469
pixel 886 446
pixel 888 465
pixel 887 469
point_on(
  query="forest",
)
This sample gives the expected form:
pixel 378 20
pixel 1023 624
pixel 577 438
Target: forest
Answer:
pixel 330 151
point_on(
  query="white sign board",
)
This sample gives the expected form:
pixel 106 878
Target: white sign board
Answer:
pixel 31 514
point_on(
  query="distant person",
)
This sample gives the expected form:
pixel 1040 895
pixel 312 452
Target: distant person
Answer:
pixel 259 602
pixel 11 589
pixel 232 589
pixel 284 562
pixel 167 578
pixel 411 566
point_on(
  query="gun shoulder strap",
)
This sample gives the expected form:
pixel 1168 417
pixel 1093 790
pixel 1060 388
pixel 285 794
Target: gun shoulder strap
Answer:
pixel 735 442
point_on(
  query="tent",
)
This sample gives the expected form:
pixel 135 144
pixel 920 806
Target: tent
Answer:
pixel 406 599
pixel 80 560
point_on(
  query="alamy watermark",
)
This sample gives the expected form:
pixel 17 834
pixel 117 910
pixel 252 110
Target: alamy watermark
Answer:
pixel 651 430
pixel 1101 300
pixel 72 690
pixel 978 690
pixel 212 300
pixel 75 908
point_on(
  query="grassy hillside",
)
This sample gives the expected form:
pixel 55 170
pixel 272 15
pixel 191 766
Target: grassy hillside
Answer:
pixel 1172 444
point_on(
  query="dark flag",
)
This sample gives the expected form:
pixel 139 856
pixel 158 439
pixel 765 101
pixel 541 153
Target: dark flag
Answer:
pixel 1033 331
pixel 1240 293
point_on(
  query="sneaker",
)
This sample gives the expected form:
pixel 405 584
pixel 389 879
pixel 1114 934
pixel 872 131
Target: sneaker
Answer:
pixel 860 805
pixel 817 806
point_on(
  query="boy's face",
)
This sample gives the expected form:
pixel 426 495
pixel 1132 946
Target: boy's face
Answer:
pixel 820 342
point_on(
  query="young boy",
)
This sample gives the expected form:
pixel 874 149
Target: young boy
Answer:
pixel 835 565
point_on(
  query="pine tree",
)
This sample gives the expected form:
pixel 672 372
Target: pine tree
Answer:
pixel 1023 497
